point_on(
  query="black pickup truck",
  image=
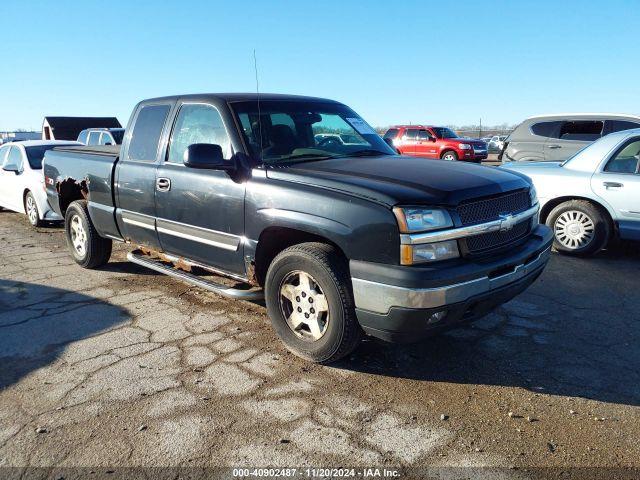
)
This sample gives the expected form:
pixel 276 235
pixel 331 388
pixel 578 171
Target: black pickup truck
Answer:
pixel 341 239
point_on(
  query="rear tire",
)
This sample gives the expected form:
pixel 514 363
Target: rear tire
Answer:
pixel 449 155
pixel 31 209
pixel 310 303
pixel 579 228
pixel 87 247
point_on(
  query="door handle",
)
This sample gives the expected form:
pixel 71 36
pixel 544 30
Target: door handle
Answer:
pixel 612 184
pixel 553 147
pixel 163 184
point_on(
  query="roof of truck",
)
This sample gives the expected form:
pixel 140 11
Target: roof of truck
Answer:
pixel 244 97
pixel 40 143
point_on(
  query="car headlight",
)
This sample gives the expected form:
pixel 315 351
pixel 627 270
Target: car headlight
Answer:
pixel 412 220
pixel 464 146
pixel 533 195
pixel 428 252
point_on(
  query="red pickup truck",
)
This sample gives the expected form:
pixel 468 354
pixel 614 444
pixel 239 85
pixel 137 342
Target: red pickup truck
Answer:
pixel 435 142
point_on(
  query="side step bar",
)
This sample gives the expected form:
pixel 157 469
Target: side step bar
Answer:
pixel 223 290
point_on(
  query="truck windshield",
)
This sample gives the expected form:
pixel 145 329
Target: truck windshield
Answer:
pixel 35 154
pixel 281 132
pixel 442 132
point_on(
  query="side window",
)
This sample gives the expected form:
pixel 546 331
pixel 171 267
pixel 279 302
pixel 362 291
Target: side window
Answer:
pixel 197 123
pixel 546 129
pixel 411 134
pixel 106 139
pixel 620 125
pixel 423 135
pixel 583 130
pixel 391 133
pixel 94 138
pixel 82 138
pixel 146 132
pixel 626 160
pixel 15 158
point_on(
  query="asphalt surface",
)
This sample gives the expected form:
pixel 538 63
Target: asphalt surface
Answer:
pixel 121 367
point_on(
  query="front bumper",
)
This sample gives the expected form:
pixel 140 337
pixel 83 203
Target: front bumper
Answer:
pixel 398 303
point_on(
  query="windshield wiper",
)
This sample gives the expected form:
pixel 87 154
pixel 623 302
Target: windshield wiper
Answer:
pixel 366 153
pixel 305 157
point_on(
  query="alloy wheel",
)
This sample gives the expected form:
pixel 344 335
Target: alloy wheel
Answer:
pixel 32 210
pixel 78 236
pixel 304 306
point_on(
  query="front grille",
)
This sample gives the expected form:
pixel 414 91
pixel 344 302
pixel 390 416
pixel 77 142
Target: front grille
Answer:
pixel 489 241
pixel 489 209
pixel 480 211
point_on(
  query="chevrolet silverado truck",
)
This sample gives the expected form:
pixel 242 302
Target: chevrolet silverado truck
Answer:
pixel 340 239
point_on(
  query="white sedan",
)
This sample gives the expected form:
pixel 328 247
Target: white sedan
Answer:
pixel 22 180
pixel 593 195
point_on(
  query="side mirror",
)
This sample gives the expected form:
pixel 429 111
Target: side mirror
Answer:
pixel 10 167
pixel 432 139
pixel 206 155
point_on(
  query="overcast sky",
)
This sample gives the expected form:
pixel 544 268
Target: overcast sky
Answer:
pixel 393 62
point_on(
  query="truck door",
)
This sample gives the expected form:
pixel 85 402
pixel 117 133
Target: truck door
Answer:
pixel 200 212
pixel 618 184
pixel 136 176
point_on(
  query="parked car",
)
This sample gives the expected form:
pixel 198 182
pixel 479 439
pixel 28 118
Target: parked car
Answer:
pixel 496 143
pixel 554 138
pixel 435 142
pixel 340 240
pixel 325 139
pixel 101 136
pixel 593 196
pixel 21 179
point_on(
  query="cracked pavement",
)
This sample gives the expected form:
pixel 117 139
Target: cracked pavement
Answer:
pixel 122 367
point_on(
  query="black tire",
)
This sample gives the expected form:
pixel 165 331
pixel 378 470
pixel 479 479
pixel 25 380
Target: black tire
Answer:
pixel 454 155
pixel 97 250
pixel 31 209
pixel 329 270
pixel 579 214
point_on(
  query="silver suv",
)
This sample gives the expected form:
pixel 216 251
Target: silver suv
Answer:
pixel 554 138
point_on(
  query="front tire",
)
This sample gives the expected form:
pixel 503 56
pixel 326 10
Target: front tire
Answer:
pixel 310 303
pixel 579 228
pixel 31 209
pixel 449 155
pixel 87 247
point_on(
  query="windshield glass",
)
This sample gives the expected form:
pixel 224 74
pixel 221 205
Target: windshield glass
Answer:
pixel 292 131
pixel 118 135
pixel 35 154
pixel 443 132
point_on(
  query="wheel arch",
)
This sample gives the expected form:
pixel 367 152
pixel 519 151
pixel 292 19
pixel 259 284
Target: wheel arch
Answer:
pixel 553 203
pixel 274 239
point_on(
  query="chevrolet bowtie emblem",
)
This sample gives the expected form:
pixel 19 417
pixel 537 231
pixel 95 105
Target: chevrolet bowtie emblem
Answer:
pixel 507 221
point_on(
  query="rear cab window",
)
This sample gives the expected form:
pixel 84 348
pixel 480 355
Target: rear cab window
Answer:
pixel 82 138
pixel 145 138
pixel 581 130
pixel 94 138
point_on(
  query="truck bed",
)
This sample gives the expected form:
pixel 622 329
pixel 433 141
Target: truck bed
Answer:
pixel 84 172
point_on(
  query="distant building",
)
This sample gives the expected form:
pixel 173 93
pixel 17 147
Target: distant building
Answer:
pixel 6 137
pixel 68 128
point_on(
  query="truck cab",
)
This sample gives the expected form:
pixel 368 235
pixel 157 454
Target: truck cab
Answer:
pixel 341 239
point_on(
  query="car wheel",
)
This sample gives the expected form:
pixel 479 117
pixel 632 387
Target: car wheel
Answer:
pixel 449 155
pixel 31 209
pixel 88 249
pixel 579 228
pixel 310 303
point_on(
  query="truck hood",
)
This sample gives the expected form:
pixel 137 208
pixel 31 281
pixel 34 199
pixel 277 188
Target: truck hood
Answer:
pixel 404 180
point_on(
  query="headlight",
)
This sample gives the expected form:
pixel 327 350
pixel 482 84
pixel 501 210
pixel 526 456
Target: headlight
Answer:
pixel 421 219
pixel 533 195
pixel 464 146
pixel 428 252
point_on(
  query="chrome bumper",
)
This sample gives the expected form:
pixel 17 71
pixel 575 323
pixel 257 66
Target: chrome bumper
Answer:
pixel 380 298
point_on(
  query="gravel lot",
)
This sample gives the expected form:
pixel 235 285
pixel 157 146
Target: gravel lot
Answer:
pixel 122 367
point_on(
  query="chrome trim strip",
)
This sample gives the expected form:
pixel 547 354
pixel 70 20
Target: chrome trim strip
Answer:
pixel 380 298
pixel 130 221
pixel 468 231
pixel 214 238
